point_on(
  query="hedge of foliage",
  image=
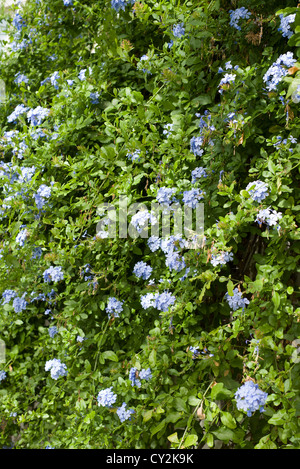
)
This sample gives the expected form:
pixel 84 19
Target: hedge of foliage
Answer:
pixel 139 342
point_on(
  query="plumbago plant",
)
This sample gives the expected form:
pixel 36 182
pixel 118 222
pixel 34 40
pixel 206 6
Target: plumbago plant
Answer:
pixel 138 341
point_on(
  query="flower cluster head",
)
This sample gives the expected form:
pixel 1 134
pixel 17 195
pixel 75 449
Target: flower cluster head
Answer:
pixel 168 129
pixel 236 301
pixel 21 237
pixel 68 2
pixel 222 258
pixel 285 22
pixel 192 197
pixel 114 307
pixel 123 413
pixel 258 190
pixel 178 30
pixel 18 21
pixel 198 173
pixel 42 193
pixel 8 295
pixel 142 270
pixel 19 304
pixel 236 15
pixel 226 80
pixel 141 218
pixel 250 398
pixel 134 156
pixel 195 351
pixel 2 375
pixel 54 80
pixel 20 109
pixel 165 195
pixel 35 116
pixel 94 97
pixel 56 367
pixel 160 301
pixel 154 243
pixel 106 397
pixel 81 74
pixel 52 331
pixel 135 376
pixel 21 78
pixel 54 274
pixel 278 70
pixel 268 216
pixel 120 4
pixel 196 144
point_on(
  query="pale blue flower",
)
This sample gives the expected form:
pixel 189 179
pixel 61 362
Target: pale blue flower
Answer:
pixel 250 398
pixel 106 397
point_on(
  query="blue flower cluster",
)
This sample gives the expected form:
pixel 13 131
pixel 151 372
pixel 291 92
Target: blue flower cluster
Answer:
pixel 141 219
pixel 20 109
pixel 236 301
pixel 2 375
pixel 114 307
pixel 94 97
pixel 196 145
pixel 165 195
pixel 192 197
pixel 52 331
pixel 222 258
pixel 198 173
pixel 21 78
pixel 54 80
pixel 19 303
pixel 68 2
pixel 41 195
pixel 236 15
pixel 54 274
pixel 195 351
pixel 7 296
pixel 121 4
pixel 226 80
pixel 134 156
pixel 142 270
pixel 258 190
pixel 278 70
pixel 106 398
pixel 285 22
pixel 160 301
pixel 18 22
pixel 178 31
pixel 21 237
pixel 268 216
pixel 250 398
pixel 135 376
pixel 123 413
pixel 56 367
pixel 35 116
pixel 168 129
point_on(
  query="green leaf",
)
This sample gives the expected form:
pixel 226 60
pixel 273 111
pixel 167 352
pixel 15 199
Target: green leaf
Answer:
pixel 110 355
pixel 147 415
pixel 218 392
pixel 158 427
pixel 276 299
pixel 173 438
pixel 190 440
pixel 228 420
pixel 230 288
pixel 152 358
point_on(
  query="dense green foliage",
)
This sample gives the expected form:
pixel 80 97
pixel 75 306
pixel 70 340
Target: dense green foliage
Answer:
pixel 83 157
